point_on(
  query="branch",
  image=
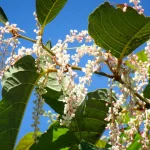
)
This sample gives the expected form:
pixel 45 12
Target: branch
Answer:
pixel 34 41
pixel 135 93
pixel 48 50
pixel 26 38
pixel 96 72
pixel 117 77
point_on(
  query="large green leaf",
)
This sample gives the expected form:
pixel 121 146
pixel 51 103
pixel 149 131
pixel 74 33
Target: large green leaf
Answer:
pixel 118 31
pixel 26 142
pixel 47 10
pixel 18 83
pixel 93 124
pixel 55 138
pixel 3 17
pixel 79 116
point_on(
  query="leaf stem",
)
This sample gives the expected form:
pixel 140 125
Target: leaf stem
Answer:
pixel 70 48
pixel 78 129
pixel 48 50
pixel 96 72
pixel 26 38
pixel 34 41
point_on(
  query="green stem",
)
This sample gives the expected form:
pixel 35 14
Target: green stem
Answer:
pixel 96 72
pixel 71 48
pixel 48 50
pixel 34 41
pixel 78 129
pixel 26 38
pixel 75 47
pixel 73 67
pixel 135 93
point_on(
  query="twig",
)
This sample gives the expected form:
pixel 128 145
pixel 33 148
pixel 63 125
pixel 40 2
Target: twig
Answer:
pixel 26 38
pixel 96 72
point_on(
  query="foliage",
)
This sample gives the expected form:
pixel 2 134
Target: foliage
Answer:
pixel 13 104
pixel 3 17
pixel 119 32
pixel 82 117
pixel 47 10
pixel 26 142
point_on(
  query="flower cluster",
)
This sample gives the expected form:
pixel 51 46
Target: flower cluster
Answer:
pixel 52 117
pixel 8 46
pixel 38 108
pixel 145 133
pixel 128 105
pixel 75 93
pixel 137 7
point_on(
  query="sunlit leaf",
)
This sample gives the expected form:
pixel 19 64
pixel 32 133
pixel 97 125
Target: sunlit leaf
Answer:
pixel 142 56
pixel 136 145
pixel 47 10
pixel 55 138
pixel 101 144
pixel 26 141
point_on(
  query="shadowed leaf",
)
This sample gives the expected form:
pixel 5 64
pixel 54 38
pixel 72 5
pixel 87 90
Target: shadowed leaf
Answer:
pixel 18 83
pixel 3 17
pixel 118 31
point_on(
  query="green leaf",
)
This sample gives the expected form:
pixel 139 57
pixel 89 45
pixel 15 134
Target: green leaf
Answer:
pixel 49 44
pixel 3 17
pixel 142 56
pixel 88 146
pixel 26 142
pixel 118 31
pixel 93 123
pixel 79 114
pixel 18 83
pixel 101 144
pixel 126 117
pixel 135 145
pixel 47 10
pixel 53 95
pixel 146 91
pixel 55 138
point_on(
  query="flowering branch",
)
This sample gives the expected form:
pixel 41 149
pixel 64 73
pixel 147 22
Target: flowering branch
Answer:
pixel 34 41
pixel 135 93
pixel 73 67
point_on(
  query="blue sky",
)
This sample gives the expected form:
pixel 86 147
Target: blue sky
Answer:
pixel 73 16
